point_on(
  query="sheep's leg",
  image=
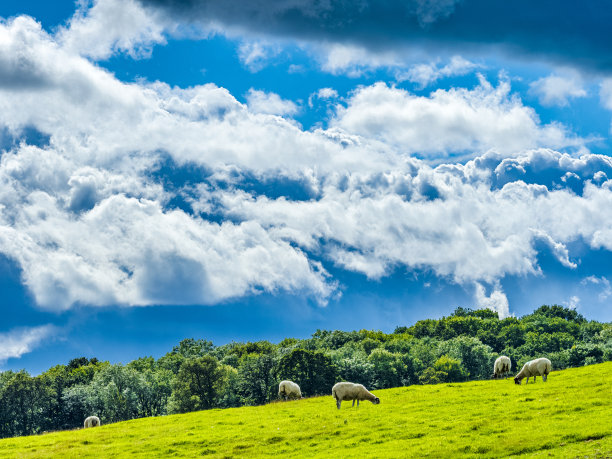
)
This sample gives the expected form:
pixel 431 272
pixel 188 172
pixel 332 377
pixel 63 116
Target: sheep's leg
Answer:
pixel 357 403
pixel 338 402
pixel 354 403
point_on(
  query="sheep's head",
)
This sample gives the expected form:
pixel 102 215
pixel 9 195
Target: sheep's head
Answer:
pixel 517 381
pixel 376 401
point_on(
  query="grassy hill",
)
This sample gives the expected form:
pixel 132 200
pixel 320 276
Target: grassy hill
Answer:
pixel 569 416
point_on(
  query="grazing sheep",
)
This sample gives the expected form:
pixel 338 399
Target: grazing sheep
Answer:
pixel 288 390
pixel 92 421
pixel 350 391
pixel 537 367
pixel 502 367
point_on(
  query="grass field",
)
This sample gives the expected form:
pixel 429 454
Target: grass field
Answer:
pixel 569 416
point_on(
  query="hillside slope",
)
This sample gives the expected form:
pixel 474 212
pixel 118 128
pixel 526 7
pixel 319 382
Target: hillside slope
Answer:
pixel 568 416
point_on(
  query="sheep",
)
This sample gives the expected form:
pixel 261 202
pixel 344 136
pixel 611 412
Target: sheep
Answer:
pixel 289 389
pixel 537 367
pixel 350 391
pixel 91 421
pixel 502 366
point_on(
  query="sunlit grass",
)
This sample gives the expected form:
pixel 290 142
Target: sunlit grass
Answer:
pixel 569 416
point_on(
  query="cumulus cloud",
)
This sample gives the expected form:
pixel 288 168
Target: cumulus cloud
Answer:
pixel 270 103
pixel 447 219
pixel 128 250
pixel 496 301
pixel 109 26
pixel 91 218
pixel 558 89
pixel 19 341
pixel 450 121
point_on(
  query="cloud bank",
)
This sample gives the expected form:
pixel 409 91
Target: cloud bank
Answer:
pixel 141 193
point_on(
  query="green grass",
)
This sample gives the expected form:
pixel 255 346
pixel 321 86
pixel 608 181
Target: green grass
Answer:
pixel 569 416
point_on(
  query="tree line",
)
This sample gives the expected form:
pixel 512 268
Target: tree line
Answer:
pixel 197 375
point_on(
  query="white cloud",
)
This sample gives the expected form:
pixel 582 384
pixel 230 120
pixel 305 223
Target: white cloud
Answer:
pixel 270 103
pixel 19 341
pixel 354 61
pixel 426 74
pixel 447 219
pixel 255 55
pixel 88 222
pixel 326 94
pixel 558 89
pixel 111 26
pixel 573 302
pixel 496 301
pixel 450 121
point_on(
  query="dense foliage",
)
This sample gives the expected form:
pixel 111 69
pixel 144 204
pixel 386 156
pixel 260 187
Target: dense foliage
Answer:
pixel 197 375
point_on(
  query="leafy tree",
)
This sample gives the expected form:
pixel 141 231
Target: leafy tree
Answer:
pixel 391 369
pixel 313 371
pixel 197 384
pixel 58 379
pixel 476 358
pixel 229 392
pixel 256 384
pixel 558 311
pixel 513 334
pixel 187 349
pixel 355 368
pixel 81 362
pixel 537 343
pixel 24 404
pixel 579 354
pixel 369 345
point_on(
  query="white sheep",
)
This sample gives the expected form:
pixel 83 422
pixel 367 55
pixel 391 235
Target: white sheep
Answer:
pixel 501 367
pixel 350 391
pixel 537 367
pixel 92 421
pixel 288 390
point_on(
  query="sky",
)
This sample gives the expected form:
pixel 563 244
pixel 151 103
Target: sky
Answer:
pixel 238 171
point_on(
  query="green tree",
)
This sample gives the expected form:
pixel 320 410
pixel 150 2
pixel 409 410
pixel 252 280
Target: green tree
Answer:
pixel 561 312
pixel 256 384
pixel 24 404
pixel 187 349
pixel 585 353
pixel 196 385
pixel 314 372
pixel 355 367
pixel 475 357
pixel 389 369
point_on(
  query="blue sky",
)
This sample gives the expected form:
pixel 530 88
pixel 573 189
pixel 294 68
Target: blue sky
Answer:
pixel 232 171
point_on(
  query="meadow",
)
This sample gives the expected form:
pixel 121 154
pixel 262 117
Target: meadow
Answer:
pixel 568 416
